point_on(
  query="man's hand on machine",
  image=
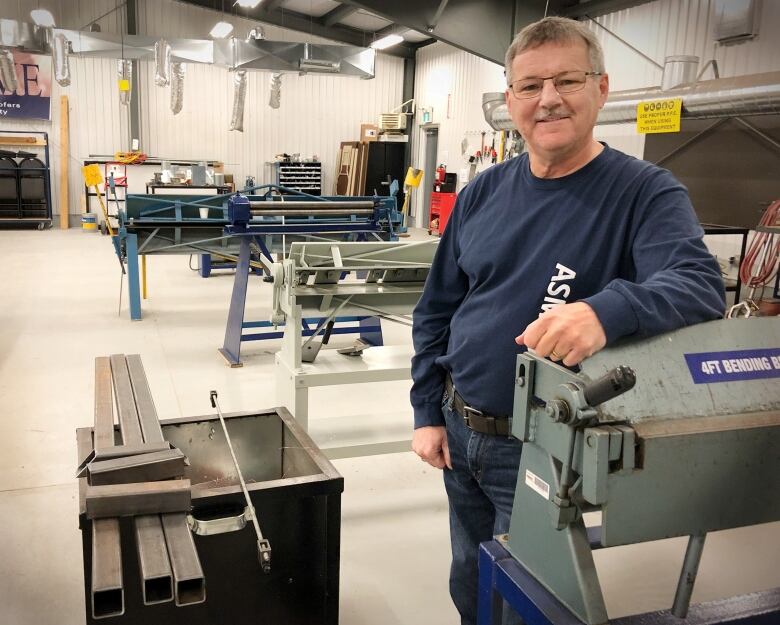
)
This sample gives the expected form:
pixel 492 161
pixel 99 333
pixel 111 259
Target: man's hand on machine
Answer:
pixel 569 333
pixel 430 443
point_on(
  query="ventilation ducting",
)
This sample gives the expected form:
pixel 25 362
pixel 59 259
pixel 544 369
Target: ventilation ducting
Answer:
pixel 756 94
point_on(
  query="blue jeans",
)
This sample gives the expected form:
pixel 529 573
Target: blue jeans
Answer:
pixel 481 489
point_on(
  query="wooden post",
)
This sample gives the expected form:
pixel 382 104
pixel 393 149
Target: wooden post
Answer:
pixel 64 162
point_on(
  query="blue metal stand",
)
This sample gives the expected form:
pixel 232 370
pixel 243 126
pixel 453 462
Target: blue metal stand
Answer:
pixel 231 348
pixel 133 282
pixel 207 265
pixel 502 578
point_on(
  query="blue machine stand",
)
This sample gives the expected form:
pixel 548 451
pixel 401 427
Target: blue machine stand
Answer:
pixel 502 578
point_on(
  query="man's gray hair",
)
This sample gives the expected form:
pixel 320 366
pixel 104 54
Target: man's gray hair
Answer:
pixel 554 30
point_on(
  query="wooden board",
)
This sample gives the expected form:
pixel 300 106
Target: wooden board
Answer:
pixel 64 162
pixel 345 167
pixel 22 141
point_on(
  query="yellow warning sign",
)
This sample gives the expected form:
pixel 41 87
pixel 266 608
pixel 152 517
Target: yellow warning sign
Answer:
pixel 656 116
pixel 124 84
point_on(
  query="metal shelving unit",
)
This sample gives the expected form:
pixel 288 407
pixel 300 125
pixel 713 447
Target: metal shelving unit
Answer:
pixel 306 177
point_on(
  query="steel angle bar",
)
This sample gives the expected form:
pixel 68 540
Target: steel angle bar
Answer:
pixel 107 591
pixel 122 451
pixel 104 405
pixel 147 413
pixel 162 465
pixel 108 597
pixel 148 240
pixel 125 401
pixel 190 585
pixel 156 573
pixel 138 499
pixel 118 451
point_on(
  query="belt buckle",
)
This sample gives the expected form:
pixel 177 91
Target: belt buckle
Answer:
pixel 467 412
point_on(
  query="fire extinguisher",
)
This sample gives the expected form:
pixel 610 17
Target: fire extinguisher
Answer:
pixel 441 174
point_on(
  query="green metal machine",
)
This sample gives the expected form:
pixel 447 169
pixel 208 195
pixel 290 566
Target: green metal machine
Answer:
pixel 692 447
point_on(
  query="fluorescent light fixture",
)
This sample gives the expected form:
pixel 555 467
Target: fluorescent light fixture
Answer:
pixel 247 4
pixel 42 17
pixel 221 30
pixel 386 42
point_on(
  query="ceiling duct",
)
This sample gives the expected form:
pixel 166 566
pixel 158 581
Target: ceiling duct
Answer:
pixel 234 53
pixel 756 94
pixel 29 37
pixel 8 71
pixel 285 56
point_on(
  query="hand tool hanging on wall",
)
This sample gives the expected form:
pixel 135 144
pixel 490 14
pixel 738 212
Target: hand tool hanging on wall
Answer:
pixel 263 546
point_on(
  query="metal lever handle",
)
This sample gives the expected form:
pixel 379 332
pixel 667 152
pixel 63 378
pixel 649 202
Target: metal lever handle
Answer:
pixel 613 383
pixel 263 546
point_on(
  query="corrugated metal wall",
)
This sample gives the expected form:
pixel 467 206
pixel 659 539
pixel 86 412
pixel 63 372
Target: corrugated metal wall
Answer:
pixel 452 82
pixel 317 112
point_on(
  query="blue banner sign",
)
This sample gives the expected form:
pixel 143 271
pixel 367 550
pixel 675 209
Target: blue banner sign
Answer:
pixel 32 98
pixel 734 366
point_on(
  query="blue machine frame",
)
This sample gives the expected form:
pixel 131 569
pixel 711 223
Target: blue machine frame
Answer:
pixel 153 224
pixel 502 578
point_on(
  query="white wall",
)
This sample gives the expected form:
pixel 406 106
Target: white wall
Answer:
pixel 317 112
pixel 452 82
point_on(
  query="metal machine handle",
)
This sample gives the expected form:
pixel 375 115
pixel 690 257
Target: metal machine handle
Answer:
pixel 225 525
pixel 610 385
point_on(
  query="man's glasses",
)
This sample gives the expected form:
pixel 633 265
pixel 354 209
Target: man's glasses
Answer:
pixel 565 82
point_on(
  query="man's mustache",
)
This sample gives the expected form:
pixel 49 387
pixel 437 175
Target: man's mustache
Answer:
pixel 548 114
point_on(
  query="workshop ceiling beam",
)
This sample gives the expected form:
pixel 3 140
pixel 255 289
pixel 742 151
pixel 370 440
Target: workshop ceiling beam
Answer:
pixel 336 15
pixel 271 5
pixel 309 25
pixel 483 28
pixel 595 8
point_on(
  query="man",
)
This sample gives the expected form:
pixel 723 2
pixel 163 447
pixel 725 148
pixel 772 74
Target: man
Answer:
pixel 562 250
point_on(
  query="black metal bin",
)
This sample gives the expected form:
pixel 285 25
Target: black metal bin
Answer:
pixel 296 492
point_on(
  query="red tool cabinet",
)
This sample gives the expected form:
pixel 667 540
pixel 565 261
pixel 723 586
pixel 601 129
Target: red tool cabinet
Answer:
pixel 441 207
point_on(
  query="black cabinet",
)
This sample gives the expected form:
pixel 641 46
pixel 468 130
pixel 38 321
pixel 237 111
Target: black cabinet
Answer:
pixel 385 164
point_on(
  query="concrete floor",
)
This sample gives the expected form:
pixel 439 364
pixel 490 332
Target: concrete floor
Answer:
pixel 59 311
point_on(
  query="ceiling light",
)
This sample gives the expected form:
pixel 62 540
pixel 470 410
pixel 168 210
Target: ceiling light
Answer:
pixel 42 17
pixel 386 42
pixel 247 4
pixel 221 30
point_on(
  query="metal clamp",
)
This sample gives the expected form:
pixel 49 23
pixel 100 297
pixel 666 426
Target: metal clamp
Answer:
pixel 212 527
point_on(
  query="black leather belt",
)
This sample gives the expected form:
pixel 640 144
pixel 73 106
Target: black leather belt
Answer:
pixel 476 419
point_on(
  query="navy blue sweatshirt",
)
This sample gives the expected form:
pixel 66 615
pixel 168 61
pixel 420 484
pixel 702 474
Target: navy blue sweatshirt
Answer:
pixel 619 234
